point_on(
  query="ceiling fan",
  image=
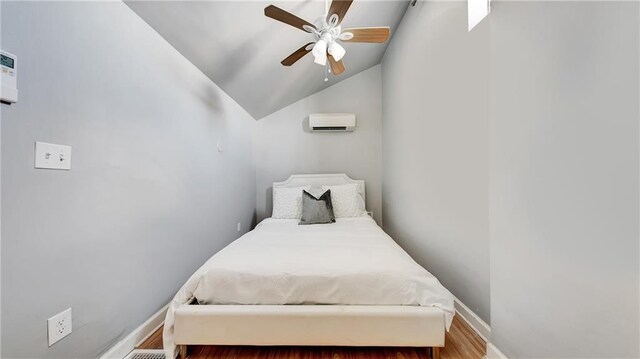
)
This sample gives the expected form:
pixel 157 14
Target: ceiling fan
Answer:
pixel 326 32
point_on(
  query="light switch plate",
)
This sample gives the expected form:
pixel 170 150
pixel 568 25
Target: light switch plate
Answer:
pixel 59 326
pixel 52 156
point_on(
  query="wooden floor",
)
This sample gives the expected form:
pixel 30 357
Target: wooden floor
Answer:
pixel 460 343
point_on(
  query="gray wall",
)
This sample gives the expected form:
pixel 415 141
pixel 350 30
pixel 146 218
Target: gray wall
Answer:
pixel 521 138
pixel 564 179
pixel 148 199
pixel 435 147
pixel 284 145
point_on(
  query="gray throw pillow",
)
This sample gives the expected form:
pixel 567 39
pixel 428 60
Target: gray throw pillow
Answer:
pixel 317 210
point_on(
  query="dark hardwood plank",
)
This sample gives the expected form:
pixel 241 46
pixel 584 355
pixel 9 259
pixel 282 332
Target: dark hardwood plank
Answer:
pixel 461 342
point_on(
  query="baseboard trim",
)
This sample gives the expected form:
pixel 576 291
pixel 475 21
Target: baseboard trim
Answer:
pixel 475 322
pixel 122 348
pixel 494 353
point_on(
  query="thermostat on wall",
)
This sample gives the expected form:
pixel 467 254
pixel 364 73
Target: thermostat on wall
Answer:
pixel 9 79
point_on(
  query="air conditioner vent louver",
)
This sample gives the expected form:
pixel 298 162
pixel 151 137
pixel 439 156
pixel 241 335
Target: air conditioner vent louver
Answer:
pixel 336 122
pixel 333 128
pixel 146 354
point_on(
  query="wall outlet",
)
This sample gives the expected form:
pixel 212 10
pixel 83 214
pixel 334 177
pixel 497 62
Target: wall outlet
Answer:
pixel 59 326
pixel 239 227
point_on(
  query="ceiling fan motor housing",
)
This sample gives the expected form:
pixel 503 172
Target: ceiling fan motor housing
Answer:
pixel 326 34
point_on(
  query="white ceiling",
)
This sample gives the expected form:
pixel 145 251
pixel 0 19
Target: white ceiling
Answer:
pixel 240 49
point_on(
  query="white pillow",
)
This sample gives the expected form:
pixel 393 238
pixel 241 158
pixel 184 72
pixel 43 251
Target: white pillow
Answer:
pixel 346 200
pixel 287 202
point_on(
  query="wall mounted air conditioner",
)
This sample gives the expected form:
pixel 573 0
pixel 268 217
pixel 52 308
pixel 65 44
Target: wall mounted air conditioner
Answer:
pixel 332 122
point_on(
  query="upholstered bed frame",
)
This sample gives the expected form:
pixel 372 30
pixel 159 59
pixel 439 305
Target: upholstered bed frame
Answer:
pixel 310 325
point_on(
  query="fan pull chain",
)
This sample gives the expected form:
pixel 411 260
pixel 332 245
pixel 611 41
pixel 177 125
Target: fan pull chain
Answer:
pixel 326 73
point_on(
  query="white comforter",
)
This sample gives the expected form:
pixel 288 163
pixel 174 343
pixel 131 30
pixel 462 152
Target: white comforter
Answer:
pixel 351 261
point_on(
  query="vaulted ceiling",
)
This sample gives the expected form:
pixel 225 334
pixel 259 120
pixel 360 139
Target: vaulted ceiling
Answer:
pixel 240 49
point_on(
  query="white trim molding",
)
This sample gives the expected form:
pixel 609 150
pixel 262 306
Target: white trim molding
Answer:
pixel 494 353
pixel 122 348
pixel 475 322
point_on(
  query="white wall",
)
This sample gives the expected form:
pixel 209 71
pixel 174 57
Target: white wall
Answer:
pixel 564 179
pixel 148 198
pixel 284 145
pixel 435 147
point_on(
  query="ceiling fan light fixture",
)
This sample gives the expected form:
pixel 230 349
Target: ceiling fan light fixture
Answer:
pixel 320 52
pixel 320 60
pixel 336 51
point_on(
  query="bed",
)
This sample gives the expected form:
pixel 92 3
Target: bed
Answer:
pixel 340 284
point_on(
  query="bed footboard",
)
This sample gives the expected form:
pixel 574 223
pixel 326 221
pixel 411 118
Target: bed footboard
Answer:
pixel 313 325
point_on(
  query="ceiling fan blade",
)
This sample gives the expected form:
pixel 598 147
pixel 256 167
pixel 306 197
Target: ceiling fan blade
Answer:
pixel 367 34
pixel 286 17
pixel 339 8
pixel 297 55
pixel 337 67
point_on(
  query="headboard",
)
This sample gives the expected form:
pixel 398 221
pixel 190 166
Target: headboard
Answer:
pixel 320 180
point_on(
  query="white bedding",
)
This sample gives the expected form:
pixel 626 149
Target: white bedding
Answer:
pixel 351 261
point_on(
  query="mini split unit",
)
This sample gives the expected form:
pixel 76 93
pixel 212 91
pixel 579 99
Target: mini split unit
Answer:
pixel 332 122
